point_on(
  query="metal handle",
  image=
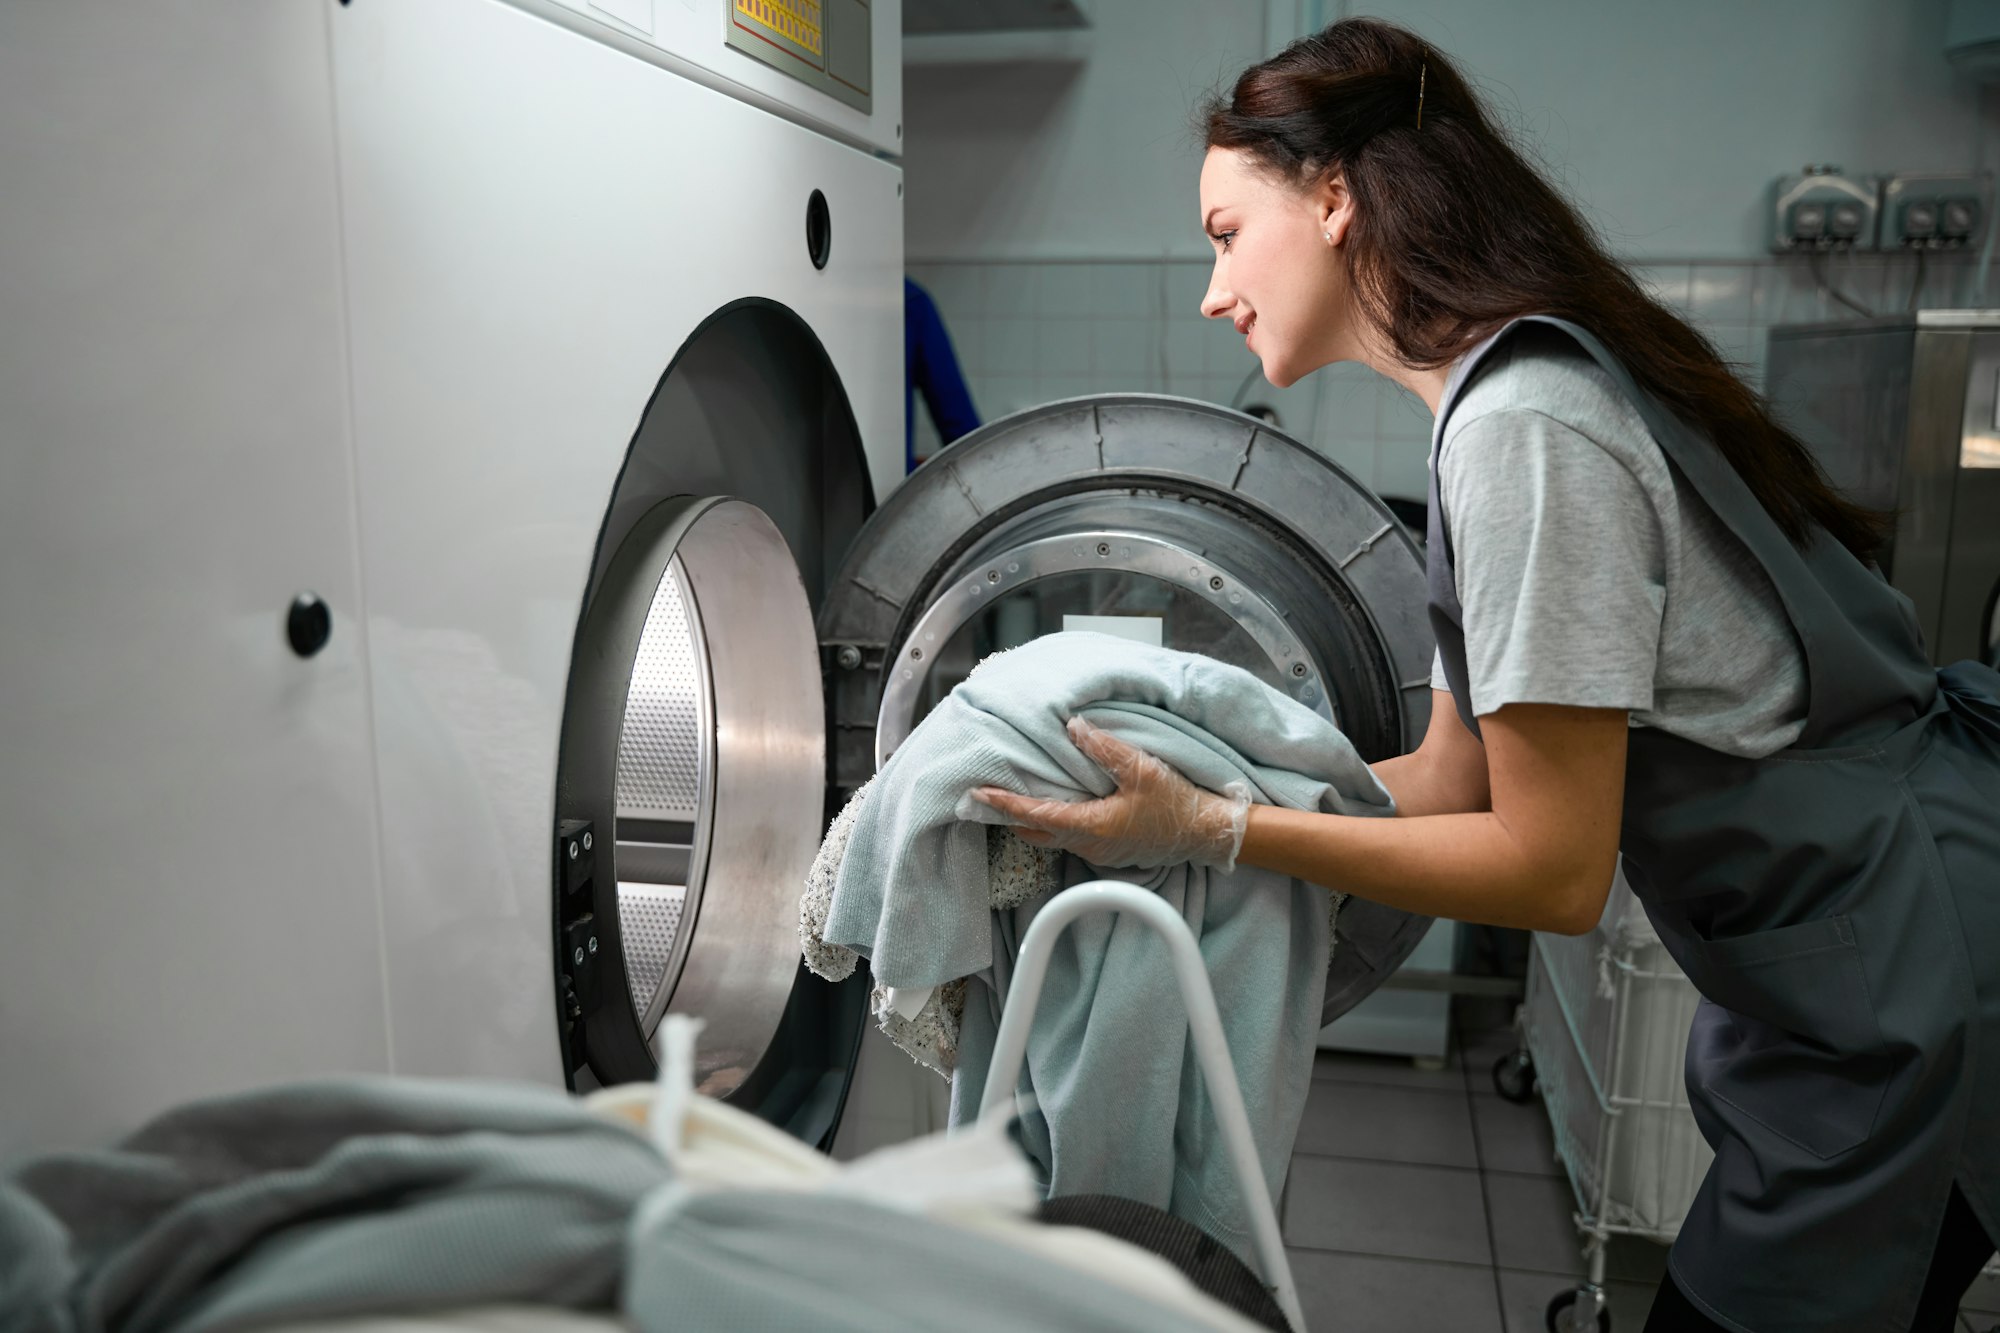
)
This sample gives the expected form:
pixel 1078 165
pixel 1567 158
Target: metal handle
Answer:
pixel 1010 1048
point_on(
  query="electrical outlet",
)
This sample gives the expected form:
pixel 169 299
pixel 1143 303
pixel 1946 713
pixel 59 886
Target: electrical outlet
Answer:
pixel 1936 210
pixel 1821 209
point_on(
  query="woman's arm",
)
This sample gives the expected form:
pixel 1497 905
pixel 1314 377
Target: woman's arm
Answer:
pixel 1445 774
pixel 1541 857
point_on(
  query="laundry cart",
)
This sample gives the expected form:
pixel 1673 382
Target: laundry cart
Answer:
pixel 1604 1033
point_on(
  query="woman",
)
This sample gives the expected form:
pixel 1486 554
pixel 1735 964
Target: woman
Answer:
pixel 1659 634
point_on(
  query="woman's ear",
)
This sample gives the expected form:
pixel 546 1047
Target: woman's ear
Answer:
pixel 1334 204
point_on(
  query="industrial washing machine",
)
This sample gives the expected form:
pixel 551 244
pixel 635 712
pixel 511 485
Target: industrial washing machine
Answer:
pixel 439 548
pixel 1904 415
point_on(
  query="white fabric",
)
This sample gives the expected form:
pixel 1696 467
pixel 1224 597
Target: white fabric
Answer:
pixel 975 1179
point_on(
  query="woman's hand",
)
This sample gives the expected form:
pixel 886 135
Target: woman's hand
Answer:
pixel 1155 818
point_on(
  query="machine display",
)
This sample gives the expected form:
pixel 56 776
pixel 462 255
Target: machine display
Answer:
pixel 824 43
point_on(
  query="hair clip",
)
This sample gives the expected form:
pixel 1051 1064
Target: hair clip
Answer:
pixel 1423 74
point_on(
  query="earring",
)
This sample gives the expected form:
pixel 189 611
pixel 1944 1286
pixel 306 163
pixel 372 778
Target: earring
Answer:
pixel 1329 237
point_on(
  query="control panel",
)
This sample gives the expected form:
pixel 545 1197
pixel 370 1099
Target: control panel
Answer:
pixel 826 44
pixel 1934 210
pixel 1822 209
pixel 833 65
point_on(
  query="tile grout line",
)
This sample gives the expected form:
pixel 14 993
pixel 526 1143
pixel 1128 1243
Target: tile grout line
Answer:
pixel 1387 1161
pixel 1485 1197
pixel 1393 1258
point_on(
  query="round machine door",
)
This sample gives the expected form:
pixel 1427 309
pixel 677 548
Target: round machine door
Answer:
pixel 691 787
pixel 1214 532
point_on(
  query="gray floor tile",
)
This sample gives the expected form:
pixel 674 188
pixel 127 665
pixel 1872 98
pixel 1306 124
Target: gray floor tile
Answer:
pixel 1388 1124
pixel 1363 1293
pixel 1396 1071
pixel 1515 1138
pixel 1534 1224
pixel 1386 1208
pixel 1525 1297
pixel 1534 1229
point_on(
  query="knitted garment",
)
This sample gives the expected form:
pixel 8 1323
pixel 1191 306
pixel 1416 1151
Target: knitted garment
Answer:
pixel 1017 872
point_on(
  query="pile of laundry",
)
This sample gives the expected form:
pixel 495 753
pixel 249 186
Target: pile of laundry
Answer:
pixel 458 1205
pixel 924 880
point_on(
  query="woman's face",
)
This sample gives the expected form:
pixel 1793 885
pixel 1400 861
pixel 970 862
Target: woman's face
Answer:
pixel 1278 272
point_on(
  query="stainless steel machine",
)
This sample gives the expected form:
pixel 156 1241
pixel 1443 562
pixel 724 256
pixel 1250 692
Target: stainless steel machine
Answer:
pixel 439 548
pixel 1904 414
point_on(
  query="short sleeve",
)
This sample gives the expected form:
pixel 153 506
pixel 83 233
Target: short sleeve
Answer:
pixel 1560 565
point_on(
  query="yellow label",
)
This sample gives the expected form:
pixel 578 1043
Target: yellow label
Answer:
pixel 797 21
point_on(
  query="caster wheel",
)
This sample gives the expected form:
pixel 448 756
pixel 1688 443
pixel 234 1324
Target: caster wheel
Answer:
pixel 1514 1077
pixel 1563 1316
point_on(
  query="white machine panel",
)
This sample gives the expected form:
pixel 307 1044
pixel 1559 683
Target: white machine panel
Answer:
pixel 689 36
pixel 186 807
pixel 536 224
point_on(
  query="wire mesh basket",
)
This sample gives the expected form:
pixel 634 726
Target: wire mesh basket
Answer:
pixel 1604 1034
pixel 1604 1037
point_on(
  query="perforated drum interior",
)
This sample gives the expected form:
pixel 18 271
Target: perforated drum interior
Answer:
pixel 696 735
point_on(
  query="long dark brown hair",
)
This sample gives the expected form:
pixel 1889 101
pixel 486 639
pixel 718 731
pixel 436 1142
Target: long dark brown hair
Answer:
pixel 1456 233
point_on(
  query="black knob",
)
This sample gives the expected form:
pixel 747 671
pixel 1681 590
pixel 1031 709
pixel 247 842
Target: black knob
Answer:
pixel 308 625
pixel 819 230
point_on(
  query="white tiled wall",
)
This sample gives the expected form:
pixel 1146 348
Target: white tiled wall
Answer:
pixel 1032 332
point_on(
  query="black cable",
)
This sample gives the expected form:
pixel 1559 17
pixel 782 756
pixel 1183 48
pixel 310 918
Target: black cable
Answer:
pixel 1917 285
pixel 1818 264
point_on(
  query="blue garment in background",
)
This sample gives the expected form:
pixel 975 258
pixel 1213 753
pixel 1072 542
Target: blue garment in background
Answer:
pixel 930 367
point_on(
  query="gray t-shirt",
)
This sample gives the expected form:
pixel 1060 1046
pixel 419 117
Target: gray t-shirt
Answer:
pixel 1592 575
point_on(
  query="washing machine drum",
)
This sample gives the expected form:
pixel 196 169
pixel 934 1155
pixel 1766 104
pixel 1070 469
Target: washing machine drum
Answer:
pixel 1186 522
pixel 699 766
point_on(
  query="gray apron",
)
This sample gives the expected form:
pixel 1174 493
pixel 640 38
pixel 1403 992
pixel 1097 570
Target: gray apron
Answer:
pixel 1837 904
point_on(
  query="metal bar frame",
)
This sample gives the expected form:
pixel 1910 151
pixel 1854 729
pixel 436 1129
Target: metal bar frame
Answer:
pixel 1024 993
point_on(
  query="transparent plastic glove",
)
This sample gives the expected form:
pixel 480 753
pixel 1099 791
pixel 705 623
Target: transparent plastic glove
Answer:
pixel 1155 818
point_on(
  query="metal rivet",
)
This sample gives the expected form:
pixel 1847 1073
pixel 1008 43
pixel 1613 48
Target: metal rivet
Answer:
pixel 849 657
pixel 1299 669
pixel 992 576
pixel 586 842
pixel 579 958
pixel 1104 548
pixel 572 851
pixel 916 654
pixel 1216 583
pixel 593 944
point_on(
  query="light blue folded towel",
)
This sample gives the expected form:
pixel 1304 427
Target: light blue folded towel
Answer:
pixel 1119 1107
